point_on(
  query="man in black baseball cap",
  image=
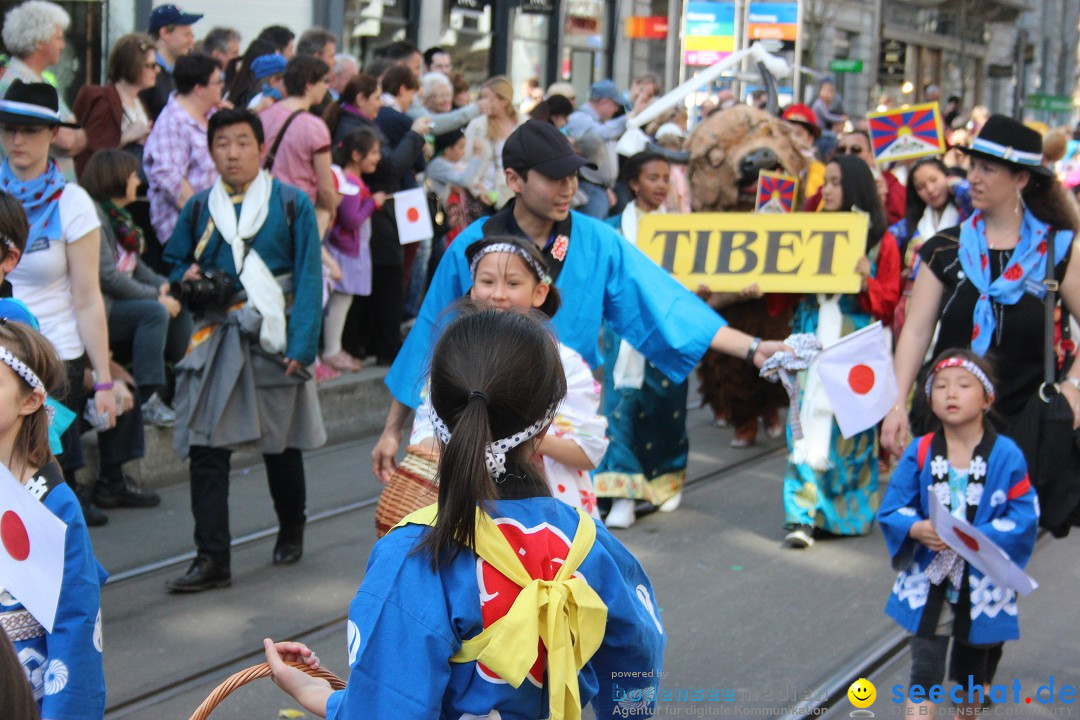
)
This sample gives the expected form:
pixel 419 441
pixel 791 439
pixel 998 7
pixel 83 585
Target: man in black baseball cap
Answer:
pixel 603 278
pixel 173 38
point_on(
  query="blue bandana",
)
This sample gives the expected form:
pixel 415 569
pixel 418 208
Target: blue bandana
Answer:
pixel 1024 273
pixel 272 92
pixel 40 199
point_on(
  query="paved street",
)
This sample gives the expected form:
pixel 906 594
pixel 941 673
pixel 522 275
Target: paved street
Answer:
pixel 741 612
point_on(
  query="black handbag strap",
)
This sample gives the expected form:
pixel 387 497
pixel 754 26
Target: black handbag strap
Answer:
pixel 1050 303
pixel 272 155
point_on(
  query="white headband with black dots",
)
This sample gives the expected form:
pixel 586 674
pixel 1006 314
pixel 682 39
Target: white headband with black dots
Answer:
pixel 540 271
pixel 495 453
pixel 21 369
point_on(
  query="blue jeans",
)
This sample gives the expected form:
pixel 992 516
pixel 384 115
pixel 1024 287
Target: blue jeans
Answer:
pixel 154 337
pixel 598 205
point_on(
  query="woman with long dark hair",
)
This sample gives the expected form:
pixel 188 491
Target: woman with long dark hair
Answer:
pixel 575 616
pixel 985 278
pixel 936 200
pixel 831 482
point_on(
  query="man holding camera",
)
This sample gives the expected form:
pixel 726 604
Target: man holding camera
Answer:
pixel 240 250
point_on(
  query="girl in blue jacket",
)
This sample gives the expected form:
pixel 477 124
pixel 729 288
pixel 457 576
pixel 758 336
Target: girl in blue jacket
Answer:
pixel 979 476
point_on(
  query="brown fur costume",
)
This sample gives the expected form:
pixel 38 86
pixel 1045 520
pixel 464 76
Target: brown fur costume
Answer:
pixel 717 146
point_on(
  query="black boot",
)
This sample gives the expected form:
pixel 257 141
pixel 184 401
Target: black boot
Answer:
pixel 122 491
pixel 290 544
pixel 206 572
pixel 91 513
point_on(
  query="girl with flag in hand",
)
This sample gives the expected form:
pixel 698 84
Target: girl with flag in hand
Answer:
pixel 831 481
pixel 499 600
pixel 64 666
pixel 980 477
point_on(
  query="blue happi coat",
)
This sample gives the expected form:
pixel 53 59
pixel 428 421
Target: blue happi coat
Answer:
pixel 1001 503
pixel 65 666
pixel 602 278
pixel 407 620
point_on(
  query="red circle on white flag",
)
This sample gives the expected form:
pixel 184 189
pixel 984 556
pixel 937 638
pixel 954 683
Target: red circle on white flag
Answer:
pixel 861 379
pixel 14 536
pixel 413 214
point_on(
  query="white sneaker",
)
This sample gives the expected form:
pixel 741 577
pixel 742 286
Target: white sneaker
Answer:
pixel 800 538
pixel 156 412
pixel 622 513
pixel 672 503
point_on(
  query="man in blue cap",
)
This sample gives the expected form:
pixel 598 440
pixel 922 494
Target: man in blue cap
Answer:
pixel 173 38
pixel 269 71
pixel 595 129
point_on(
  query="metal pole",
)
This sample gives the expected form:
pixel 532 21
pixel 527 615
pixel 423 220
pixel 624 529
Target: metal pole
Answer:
pixel 1019 89
pixel 796 82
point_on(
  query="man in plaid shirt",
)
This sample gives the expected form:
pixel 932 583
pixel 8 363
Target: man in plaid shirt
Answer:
pixel 176 159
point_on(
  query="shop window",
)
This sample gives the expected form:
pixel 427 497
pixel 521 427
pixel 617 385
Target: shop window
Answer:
pixel 584 27
pixel 372 24
pixel 528 49
pixel 466 36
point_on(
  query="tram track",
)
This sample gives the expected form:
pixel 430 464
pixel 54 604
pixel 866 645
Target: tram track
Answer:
pixel 140 704
pixel 889 650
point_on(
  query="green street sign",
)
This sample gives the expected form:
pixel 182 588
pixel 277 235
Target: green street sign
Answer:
pixel 845 66
pixel 1052 103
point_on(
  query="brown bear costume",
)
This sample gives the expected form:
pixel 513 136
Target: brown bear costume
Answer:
pixel 727 150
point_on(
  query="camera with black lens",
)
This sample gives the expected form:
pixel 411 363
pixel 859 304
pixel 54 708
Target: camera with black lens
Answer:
pixel 211 290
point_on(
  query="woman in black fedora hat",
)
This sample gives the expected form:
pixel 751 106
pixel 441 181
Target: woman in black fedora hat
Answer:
pixel 986 277
pixel 57 278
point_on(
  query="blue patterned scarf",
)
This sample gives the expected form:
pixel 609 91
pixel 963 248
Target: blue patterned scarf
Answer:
pixel 40 199
pixel 1024 273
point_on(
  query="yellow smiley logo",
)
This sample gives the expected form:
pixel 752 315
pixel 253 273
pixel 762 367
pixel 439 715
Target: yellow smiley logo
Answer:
pixel 862 693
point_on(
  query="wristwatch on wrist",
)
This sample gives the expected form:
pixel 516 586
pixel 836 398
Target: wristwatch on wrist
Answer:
pixel 752 350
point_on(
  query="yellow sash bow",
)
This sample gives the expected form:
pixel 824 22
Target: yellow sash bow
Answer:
pixel 565 613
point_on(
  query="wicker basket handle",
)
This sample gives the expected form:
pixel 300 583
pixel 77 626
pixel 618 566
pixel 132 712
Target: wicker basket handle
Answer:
pixel 256 672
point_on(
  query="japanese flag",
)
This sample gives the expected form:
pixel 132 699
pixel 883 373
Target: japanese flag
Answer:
pixel 31 549
pixel 412 215
pixel 857 374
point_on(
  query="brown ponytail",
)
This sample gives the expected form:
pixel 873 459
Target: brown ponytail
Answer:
pixel 32 442
pixel 493 374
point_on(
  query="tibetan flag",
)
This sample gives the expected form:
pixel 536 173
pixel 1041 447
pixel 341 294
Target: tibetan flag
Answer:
pixel 775 193
pixel 857 374
pixel 413 216
pixel 31 550
pixel 910 132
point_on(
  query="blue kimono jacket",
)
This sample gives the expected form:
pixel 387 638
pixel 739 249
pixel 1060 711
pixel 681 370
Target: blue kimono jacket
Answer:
pixel 65 666
pixel 288 242
pixel 1001 503
pixel 406 622
pixel 602 278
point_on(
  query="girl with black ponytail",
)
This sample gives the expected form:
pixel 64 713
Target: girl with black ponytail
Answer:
pixel 558 609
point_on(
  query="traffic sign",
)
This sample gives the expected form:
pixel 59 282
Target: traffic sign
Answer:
pixel 845 65
pixel 1053 103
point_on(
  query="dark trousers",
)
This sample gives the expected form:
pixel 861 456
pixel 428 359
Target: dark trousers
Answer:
pixel 209 468
pixel 386 305
pixel 117 446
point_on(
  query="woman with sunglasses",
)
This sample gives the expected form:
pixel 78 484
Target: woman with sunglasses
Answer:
pixel 57 278
pixel 857 142
pixel 113 115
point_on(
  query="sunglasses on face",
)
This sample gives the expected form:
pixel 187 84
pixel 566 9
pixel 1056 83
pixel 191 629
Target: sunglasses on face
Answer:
pixel 848 150
pixel 28 130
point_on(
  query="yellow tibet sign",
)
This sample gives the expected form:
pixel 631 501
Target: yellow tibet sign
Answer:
pixel 790 253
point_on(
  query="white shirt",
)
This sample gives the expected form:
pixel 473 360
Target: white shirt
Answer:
pixel 42 281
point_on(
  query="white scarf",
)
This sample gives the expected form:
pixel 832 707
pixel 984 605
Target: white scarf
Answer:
pixel 262 289
pixel 927 228
pixel 629 371
pixel 816 414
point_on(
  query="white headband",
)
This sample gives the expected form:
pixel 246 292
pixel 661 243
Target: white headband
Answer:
pixel 21 369
pixel 495 453
pixel 541 272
